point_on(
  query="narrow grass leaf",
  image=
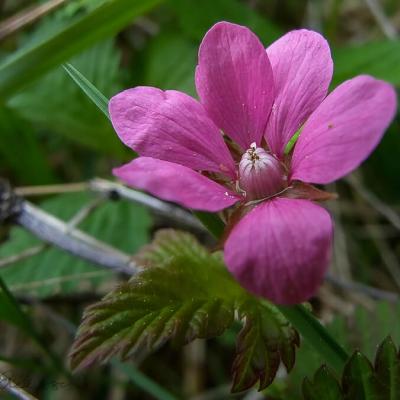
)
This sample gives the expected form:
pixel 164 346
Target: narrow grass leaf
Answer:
pixel 88 88
pixel 101 22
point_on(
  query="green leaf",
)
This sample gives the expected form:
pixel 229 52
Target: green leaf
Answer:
pixel 387 367
pixel 360 380
pixel 178 298
pixel 380 59
pixel 98 24
pixel 57 104
pixel 354 331
pixel 265 340
pixel 142 314
pixel 292 142
pixel 208 12
pixel 53 271
pixel 212 222
pixel 21 152
pixel 170 63
pixel 313 331
pixel 10 311
pixel 323 386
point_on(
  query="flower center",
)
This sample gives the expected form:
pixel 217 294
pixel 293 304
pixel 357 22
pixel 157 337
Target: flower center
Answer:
pixel 260 173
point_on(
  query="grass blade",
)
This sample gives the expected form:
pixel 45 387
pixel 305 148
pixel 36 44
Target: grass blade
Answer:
pixel 102 22
pixel 316 335
pixel 144 382
pixel 88 88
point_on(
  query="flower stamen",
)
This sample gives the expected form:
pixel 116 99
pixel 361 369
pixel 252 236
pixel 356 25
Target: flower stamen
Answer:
pixel 260 173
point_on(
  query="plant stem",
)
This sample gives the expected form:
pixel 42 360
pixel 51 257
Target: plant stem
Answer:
pixel 316 335
pixel 144 382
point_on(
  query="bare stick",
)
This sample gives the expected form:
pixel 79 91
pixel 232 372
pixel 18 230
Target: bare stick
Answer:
pixel 388 256
pixel 84 212
pixel 109 188
pixel 12 388
pixel 42 190
pixel 162 207
pixel 340 248
pixel 382 20
pixel 31 251
pixel 57 232
pixel 374 201
pixel 26 17
pixel 65 236
pixel 370 291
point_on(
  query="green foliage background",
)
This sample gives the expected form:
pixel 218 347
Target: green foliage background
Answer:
pixel 51 133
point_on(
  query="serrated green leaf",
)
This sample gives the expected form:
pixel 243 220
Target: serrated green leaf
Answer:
pixel 184 293
pixel 387 367
pixel 359 381
pixel 355 331
pixel 265 340
pixel 98 24
pixel 53 271
pixel 150 309
pixel 323 386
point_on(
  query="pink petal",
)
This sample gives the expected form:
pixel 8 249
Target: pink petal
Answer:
pixel 171 126
pixel 281 249
pixel 234 81
pixel 343 130
pixel 174 182
pixel 302 67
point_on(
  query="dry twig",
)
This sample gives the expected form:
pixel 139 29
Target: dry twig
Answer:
pixel 12 388
pixel 382 20
pixel 28 16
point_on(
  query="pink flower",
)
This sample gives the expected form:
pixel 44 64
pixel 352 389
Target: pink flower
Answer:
pixel 279 240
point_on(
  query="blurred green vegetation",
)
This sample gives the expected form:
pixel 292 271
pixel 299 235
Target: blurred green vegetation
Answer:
pixel 51 133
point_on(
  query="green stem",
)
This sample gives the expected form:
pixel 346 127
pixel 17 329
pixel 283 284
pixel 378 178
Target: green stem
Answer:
pixel 316 335
pixel 144 382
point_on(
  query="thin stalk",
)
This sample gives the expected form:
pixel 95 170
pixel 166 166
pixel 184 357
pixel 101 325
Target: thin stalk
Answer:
pixel 144 382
